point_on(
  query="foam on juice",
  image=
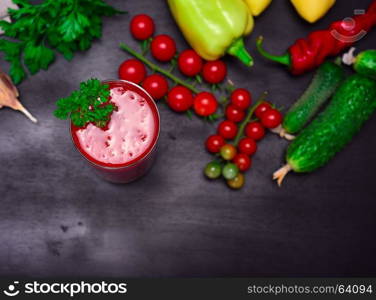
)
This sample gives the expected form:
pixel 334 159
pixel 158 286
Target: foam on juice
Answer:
pixel 130 131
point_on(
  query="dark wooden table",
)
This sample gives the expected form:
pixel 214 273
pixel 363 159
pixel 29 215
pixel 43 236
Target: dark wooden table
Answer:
pixel 58 219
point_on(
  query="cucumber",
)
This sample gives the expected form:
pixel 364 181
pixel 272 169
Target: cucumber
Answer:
pixel 327 78
pixel 364 63
pixel 352 104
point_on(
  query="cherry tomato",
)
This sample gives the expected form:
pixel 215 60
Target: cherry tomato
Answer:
pixel 247 146
pixel 228 152
pixel 241 98
pixel 214 71
pixel 142 27
pixel 230 171
pixel 205 104
pixel 156 85
pixel 190 63
pixel 271 118
pixel 227 129
pixel 234 114
pixel 261 108
pixel 132 70
pixel 214 143
pixel 255 130
pixel 237 182
pixel 163 48
pixel 213 170
pixel 180 98
pixel 243 161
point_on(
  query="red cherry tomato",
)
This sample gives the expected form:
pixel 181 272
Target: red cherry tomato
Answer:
pixel 214 71
pixel 180 98
pixel 261 108
pixel 190 63
pixel 234 114
pixel 255 130
pixel 156 85
pixel 243 161
pixel 214 143
pixel 163 48
pixel 132 70
pixel 227 129
pixel 247 146
pixel 142 27
pixel 241 98
pixel 205 104
pixel 271 118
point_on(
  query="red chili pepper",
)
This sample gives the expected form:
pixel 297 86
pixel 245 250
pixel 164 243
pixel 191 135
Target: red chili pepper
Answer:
pixel 306 54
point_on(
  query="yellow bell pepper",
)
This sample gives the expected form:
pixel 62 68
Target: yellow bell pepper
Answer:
pixel 214 27
pixel 251 23
pixel 257 6
pixel 312 10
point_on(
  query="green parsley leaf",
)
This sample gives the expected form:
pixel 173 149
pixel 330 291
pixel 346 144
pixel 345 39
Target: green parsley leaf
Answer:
pixel 66 50
pixel 89 104
pixel 39 30
pixel 73 26
pixel 38 57
pixel 12 51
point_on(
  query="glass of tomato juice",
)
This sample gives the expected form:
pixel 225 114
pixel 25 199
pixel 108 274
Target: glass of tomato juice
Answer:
pixel 125 149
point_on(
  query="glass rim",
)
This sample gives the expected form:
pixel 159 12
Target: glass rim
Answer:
pixel 145 154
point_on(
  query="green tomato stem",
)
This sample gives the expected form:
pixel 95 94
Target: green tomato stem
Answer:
pixel 158 69
pixel 248 118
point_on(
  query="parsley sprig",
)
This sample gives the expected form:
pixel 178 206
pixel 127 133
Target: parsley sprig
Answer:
pixel 88 104
pixel 37 30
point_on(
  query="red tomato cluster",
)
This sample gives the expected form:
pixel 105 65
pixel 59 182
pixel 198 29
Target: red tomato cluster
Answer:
pixel 235 141
pixel 179 98
pixel 240 101
pixel 254 131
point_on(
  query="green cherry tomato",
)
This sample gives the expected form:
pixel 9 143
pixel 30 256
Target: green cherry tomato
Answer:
pixel 237 182
pixel 228 152
pixel 230 171
pixel 213 170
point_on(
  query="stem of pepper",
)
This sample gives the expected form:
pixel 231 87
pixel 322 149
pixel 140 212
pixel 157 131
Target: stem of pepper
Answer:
pixel 282 59
pixel 238 49
pixel 158 69
pixel 248 118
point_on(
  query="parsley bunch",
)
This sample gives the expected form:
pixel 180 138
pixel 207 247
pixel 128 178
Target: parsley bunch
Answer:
pixel 88 104
pixel 66 26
